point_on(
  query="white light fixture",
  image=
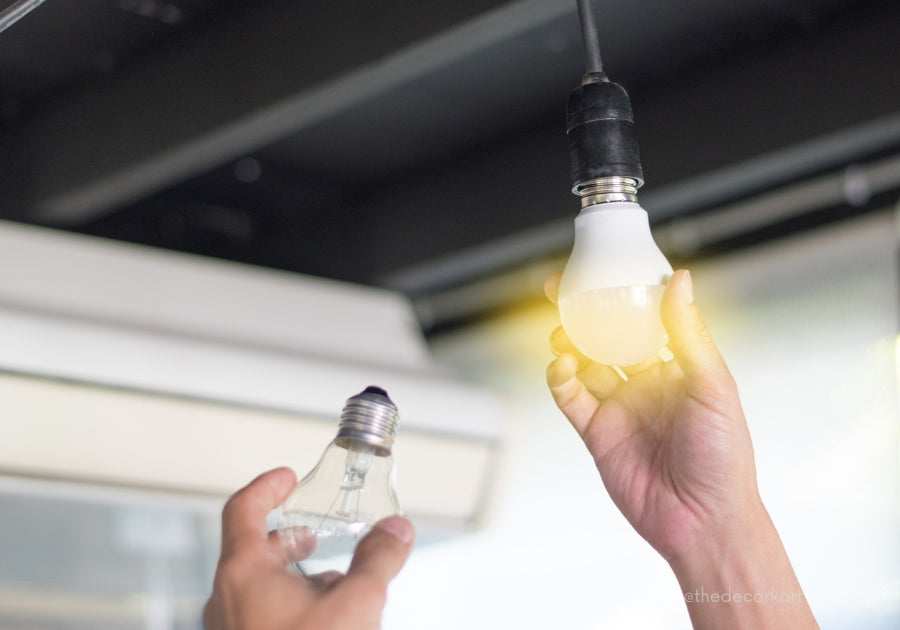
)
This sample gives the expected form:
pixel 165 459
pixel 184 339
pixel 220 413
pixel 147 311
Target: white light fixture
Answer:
pixel 133 367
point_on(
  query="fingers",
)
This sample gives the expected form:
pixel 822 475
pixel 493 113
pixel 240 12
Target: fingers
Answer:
pixel 324 580
pixel 380 555
pixel 359 596
pixel 600 379
pixel 209 616
pixel 643 366
pixel 244 515
pixel 561 344
pixel 294 543
pixel 689 338
pixel 569 392
pixel 551 286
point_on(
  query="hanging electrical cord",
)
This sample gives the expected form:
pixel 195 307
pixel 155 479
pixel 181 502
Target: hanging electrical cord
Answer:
pixel 593 64
pixel 16 11
pixel 603 150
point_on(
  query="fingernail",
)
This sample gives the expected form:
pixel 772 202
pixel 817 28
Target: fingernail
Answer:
pixel 688 294
pixel 398 527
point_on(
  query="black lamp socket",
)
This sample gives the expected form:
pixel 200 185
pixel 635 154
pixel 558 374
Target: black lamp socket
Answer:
pixel 600 128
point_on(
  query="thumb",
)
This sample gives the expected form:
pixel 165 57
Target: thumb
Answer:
pixel 380 555
pixel 689 337
pixel 378 558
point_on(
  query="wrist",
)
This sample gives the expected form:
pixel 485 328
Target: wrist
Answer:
pixel 739 576
pixel 724 539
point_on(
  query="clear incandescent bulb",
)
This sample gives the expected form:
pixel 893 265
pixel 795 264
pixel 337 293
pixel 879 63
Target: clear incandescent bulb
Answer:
pixel 347 492
pixel 612 285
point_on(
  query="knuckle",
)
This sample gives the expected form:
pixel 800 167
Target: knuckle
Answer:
pixel 209 622
pixel 365 589
pixel 232 506
pixel 370 545
pixel 229 574
pixel 702 332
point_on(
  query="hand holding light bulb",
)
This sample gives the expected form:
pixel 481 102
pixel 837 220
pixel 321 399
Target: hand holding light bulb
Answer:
pixel 346 506
pixel 633 426
pixel 674 452
pixel 253 590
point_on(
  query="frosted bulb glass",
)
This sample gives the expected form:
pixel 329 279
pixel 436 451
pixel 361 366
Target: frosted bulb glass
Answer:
pixel 346 493
pixel 612 286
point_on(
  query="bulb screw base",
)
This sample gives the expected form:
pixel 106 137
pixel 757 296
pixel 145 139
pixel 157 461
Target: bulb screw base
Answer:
pixel 372 417
pixel 603 148
pixel 606 190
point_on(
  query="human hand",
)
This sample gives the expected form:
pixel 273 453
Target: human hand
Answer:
pixel 673 449
pixel 670 442
pixel 253 588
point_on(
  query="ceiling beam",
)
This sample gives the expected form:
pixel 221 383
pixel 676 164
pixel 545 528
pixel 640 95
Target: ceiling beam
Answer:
pixel 755 119
pixel 248 77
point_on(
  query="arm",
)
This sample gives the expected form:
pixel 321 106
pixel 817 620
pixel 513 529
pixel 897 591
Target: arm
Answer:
pixel 254 589
pixel 673 450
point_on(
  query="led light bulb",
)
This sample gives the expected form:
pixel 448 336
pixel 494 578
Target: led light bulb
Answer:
pixel 612 285
pixel 347 492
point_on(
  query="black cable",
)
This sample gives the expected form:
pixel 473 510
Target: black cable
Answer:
pixel 593 64
pixel 16 11
pixel 600 123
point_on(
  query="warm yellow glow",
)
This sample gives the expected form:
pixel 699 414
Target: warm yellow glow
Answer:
pixel 897 360
pixel 616 326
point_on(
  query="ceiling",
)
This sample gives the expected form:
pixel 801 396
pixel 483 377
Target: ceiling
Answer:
pixel 413 145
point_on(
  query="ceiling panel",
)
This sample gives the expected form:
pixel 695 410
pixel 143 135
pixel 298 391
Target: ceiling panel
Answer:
pixel 361 141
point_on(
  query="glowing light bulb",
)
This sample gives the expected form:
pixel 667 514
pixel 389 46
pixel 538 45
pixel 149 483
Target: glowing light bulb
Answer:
pixel 347 492
pixel 611 288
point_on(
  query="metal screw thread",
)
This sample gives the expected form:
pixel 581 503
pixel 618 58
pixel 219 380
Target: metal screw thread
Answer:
pixel 372 417
pixel 607 189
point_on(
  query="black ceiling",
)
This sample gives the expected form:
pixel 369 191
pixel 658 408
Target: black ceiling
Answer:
pixel 415 145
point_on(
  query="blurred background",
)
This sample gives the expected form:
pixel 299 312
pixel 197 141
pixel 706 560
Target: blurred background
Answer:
pixel 242 213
